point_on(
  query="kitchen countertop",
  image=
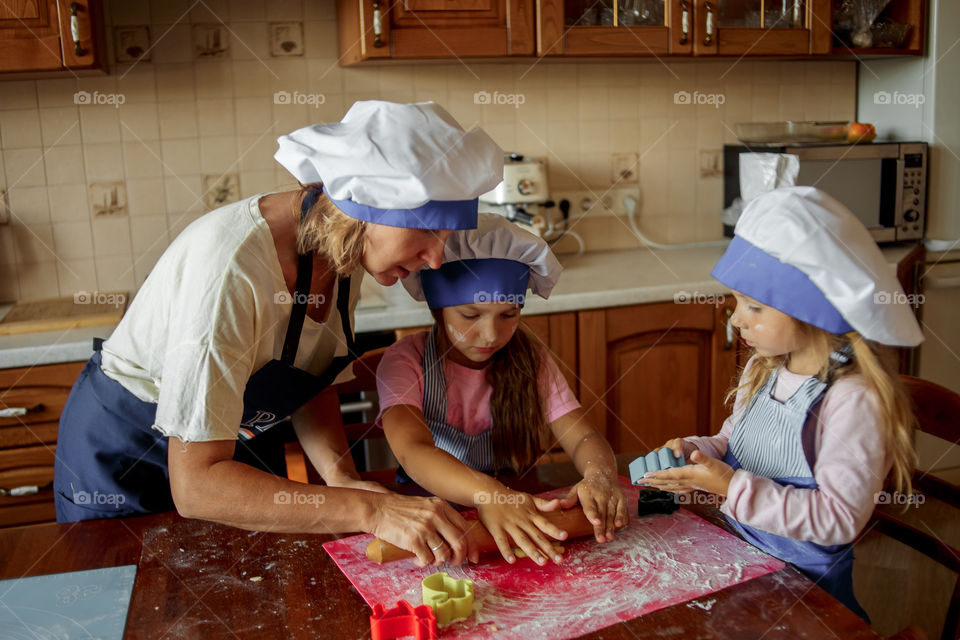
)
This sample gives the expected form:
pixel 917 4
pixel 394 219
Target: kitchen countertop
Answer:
pixel 589 281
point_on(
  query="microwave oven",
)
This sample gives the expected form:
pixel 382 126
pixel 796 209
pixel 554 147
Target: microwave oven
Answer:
pixel 883 184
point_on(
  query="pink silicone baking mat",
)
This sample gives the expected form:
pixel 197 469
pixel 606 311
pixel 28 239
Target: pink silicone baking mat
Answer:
pixel 656 562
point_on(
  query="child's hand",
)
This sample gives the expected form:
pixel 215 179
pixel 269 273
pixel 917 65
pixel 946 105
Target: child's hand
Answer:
pixel 706 473
pixel 516 516
pixel 603 503
pixel 680 447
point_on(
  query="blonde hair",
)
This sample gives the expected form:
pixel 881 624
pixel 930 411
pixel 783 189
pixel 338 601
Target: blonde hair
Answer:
pixel 872 365
pixel 330 232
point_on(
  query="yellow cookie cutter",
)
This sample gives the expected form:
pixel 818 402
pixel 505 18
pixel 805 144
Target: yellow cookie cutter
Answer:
pixel 450 598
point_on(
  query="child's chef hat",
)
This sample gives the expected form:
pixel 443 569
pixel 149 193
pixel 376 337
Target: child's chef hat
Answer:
pixel 496 262
pixel 799 250
pixel 401 165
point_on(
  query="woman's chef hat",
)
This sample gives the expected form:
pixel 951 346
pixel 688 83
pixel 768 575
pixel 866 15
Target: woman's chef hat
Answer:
pixel 496 262
pixel 401 165
pixel 799 250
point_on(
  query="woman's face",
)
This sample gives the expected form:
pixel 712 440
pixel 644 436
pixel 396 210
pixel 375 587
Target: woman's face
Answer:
pixel 391 253
pixel 479 330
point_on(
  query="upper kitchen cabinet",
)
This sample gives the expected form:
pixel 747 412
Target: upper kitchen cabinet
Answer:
pixel 615 27
pixel 51 35
pixel 372 29
pixel 685 27
pixel 762 27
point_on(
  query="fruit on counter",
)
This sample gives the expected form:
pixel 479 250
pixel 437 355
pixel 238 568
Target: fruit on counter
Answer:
pixel 860 132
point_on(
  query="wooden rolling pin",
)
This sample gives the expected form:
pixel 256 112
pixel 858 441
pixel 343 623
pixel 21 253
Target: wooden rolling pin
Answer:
pixel 570 520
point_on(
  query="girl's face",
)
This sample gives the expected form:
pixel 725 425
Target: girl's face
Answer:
pixel 769 331
pixel 391 253
pixel 479 330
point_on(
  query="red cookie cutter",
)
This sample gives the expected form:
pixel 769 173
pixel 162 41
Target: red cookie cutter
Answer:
pixel 402 621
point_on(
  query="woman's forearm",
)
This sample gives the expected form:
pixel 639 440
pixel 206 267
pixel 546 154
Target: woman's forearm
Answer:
pixel 323 440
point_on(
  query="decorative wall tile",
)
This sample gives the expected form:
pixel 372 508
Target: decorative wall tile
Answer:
pixel 219 190
pixel 210 41
pixel 131 43
pixel 286 39
pixel 108 199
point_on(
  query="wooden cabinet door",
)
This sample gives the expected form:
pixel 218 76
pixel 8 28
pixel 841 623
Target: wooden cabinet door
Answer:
pixel 726 28
pixel 28 442
pixel 37 35
pixel 558 332
pixel 435 29
pixel 653 372
pixel 559 33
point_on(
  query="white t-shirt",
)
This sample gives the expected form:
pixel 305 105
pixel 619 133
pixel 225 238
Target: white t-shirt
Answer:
pixel 209 316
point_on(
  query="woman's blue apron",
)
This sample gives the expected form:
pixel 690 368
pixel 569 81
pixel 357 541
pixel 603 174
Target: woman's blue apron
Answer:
pixel 476 451
pixel 776 440
pixel 111 462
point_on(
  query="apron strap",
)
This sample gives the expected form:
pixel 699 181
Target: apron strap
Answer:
pixel 301 290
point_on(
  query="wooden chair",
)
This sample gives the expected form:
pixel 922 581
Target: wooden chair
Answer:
pixel 363 385
pixel 938 413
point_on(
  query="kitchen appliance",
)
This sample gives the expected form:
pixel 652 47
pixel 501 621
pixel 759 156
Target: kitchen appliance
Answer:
pixel 883 184
pixel 523 196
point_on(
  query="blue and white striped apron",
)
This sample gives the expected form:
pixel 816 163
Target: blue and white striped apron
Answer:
pixel 776 440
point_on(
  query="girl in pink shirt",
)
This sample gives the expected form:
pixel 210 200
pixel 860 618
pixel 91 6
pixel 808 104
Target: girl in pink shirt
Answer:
pixel 821 421
pixel 477 394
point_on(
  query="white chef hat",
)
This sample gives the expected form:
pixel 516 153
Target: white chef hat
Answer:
pixel 496 262
pixel 799 250
pixel 402 165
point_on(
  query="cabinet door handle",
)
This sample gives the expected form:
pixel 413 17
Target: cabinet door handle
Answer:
pixel 730 332
pixel 75 29
pixel 377 25
pixel 708 38
pixel 16 412
pixel 684 21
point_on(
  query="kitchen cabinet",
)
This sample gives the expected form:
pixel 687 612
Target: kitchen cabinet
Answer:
pixel 417 29
pixel 656 371
pixel 51 35
pixel 28 443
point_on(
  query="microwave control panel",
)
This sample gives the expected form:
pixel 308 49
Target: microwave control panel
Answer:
pixel 914 162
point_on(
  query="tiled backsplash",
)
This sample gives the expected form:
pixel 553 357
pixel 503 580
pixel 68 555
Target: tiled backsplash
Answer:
pixel 102 173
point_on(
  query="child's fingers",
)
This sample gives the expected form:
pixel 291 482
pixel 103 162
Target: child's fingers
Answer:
pixel 570 499
pixel 547 505
pixel 613 505
pixel 623 515
pixel 544 547
pixel 504 546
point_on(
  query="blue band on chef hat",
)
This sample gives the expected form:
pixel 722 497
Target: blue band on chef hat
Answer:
pixel 475 280
pixel 435 214
pixel 755 273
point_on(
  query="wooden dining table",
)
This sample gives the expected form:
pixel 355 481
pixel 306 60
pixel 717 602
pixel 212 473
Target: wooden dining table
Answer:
pixel 197 579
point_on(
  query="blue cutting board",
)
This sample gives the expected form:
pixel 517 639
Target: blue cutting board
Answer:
pixel 66 606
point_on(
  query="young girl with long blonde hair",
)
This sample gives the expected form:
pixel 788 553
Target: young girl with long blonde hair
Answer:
pixel 477 395
pixel 821 423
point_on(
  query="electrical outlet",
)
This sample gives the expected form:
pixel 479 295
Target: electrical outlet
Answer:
pixel 625 168
pixel 711 163
pixel 4 208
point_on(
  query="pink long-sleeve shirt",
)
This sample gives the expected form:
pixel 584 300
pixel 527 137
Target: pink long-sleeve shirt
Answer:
pixel 850 468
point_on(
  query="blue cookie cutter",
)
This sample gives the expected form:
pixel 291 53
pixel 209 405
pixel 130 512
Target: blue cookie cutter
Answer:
pixel 658 460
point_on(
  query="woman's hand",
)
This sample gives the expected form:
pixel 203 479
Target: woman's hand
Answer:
pixel 679 446
pixel 706 473
pixel 517 516
pixel 429 527
pixel 603 503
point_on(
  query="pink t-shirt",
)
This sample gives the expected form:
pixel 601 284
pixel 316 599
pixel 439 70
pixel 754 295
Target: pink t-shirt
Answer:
pixel 851 466
pixel 400 381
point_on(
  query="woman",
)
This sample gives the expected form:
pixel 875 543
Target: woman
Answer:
pixel 247 317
